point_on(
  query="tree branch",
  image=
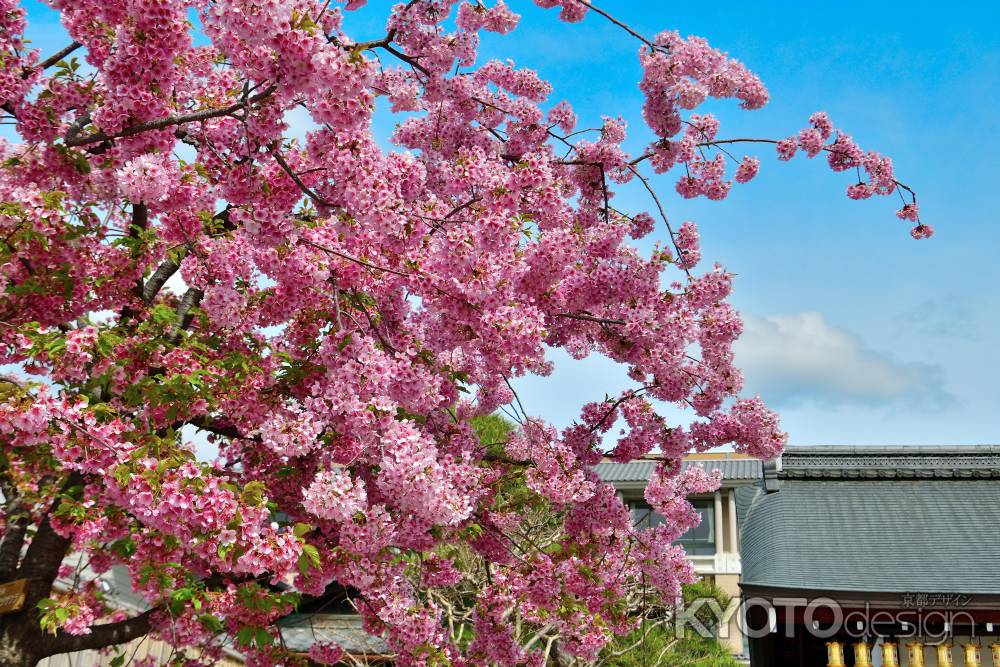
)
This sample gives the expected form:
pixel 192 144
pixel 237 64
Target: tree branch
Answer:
pixel 161 123
pixel 226 430
pixel 48 62
pixel 663 216
pixel 47 548
pixel 58 55
pixel 188 302
pixel 410 60
pixel 102 635
pixel 589 318
pixel 159 278
pixel 626 28
pixel 170 266
pixel 715 143
pixel 45 554
pixel 13 541
pixel 355 259
pixel 140 221
pixel 298 181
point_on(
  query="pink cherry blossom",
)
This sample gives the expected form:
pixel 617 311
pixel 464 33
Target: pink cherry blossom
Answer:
pixel 747 170
pixel 334 495
pixel 908 212
pixel 251 367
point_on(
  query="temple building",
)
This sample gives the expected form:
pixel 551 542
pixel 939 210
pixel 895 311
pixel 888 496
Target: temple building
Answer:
pixel 714 545
pixel 898 545
pixel 851 556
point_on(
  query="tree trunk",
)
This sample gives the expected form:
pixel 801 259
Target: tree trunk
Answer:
pixel 19 646
pixel 22 641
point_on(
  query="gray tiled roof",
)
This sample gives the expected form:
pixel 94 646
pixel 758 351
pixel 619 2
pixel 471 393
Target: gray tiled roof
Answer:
pixel 981 461
pixel 640 471
pixel 300 631
pixel 892 536
pixel 746 494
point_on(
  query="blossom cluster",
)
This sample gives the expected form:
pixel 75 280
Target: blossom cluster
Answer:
pixel 333 316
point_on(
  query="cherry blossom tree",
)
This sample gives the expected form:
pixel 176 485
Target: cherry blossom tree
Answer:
pixel 338 313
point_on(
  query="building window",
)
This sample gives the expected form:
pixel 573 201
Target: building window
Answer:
pixel 698 541
pixel 643 516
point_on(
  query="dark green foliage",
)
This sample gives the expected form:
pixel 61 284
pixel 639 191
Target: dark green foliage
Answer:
pixel 662 647
pixel 492 430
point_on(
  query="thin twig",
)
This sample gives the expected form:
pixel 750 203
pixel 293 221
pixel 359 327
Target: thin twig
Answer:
pixel 626 28
pixel 663 214
pixel 298 181
pixel 355 259
pixel 748 140
pixel 161 123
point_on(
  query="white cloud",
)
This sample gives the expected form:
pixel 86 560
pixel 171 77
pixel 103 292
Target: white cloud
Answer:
pixel 790 359
pixel 950 316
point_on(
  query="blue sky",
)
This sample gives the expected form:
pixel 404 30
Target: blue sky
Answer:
pixel 856 333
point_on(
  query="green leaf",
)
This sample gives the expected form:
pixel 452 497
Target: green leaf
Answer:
pixel 245 635
pixel 124 547
pixel 253 493
pixel 162 315
pixel 250 634
pixel 211 623
pixel 263 638
pixel 309 558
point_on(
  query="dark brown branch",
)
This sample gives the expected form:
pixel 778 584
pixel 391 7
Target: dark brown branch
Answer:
pixel 170 266
pixel 753 140
pixel 438 223
pixel 460 208
pixel 13 541
pixel 410 60
pixel 604 189
pixel 73 131
pixel 46 552
pixel 102 635
pixel 298 181
pixel 140 221
pixel 48 62
pixel 371 323
pixel 204 424
pixel 58 55
pixel 161 123
pixel 47 548
pixel 614 406
pixel 589 318
pixel 500 458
